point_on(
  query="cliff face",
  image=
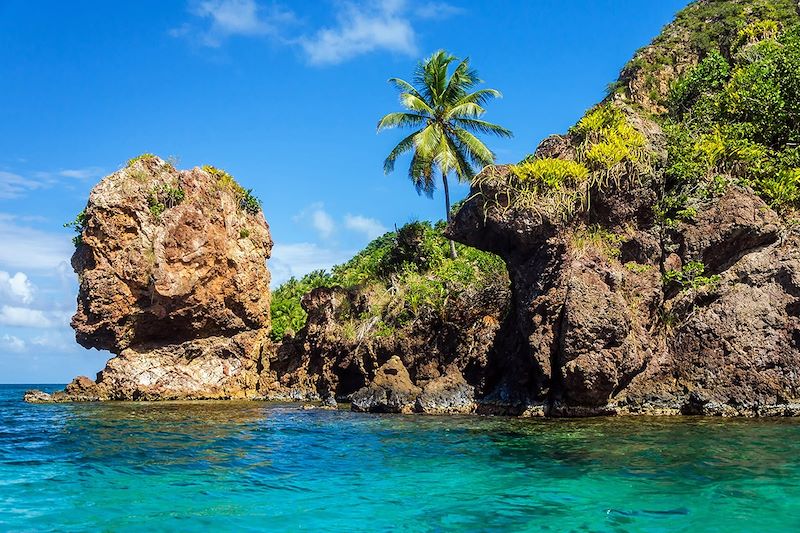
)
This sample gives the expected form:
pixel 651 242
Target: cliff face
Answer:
pixel 602 333
pixel 653 249
pixel 173 281
pixel 415 339
pixel 650 263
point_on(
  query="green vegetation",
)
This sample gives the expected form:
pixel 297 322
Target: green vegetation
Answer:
pixel 609 152
pixel 447 112
pixel 599 239
pixel 249 203
pixel 78 225
pixel 691 277
pixel 638 268
pixel 245 198
pixel 735 119
pixel 704 28
pixel 164 197
pixel 143 157
pixel 405 276
pixel 610 146
pixel 244 233
pixel 550 173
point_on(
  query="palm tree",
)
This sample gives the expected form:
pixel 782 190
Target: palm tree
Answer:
pixel 447 116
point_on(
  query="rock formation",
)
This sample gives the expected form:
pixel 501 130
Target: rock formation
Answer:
pixel 605 335
pixel 434 364
pixel 174 282
pixel 652 257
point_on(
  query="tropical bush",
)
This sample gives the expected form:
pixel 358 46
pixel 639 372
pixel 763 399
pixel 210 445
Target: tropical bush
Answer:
pixel 609 152
pixel 737 119
pixel 245 199
pixel 164 197
pixel 78 225
pixel 142 157
pixel 691 277
pixel 405 275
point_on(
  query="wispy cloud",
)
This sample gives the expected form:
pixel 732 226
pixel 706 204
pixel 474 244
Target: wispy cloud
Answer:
pixel 26 248
pixel 24 317
pixel 15 186
pixel 357 27
pixel 316 216
pixel 436 10
pixel 82 173
pixel 221 19
pixel 12 343
pixel 369 227
pixel 299 259
pixel 360 29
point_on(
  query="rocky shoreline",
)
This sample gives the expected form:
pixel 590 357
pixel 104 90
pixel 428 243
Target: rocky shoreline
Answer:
pixel 648 269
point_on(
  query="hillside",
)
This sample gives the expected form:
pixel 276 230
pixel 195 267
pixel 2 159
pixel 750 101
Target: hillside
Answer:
pixel 651 251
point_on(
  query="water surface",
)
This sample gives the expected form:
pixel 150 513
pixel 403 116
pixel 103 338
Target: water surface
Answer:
pixel 195 466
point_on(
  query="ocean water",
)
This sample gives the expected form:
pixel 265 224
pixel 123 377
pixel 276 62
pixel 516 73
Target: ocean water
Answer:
pixel 194 466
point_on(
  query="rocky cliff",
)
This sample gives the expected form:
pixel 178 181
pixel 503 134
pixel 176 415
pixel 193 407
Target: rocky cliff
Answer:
pixel 174 282
pixel 652 252
pixel 645 262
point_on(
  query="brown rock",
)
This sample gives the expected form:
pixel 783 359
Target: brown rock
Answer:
pixel 448 394
pixel 392 390
pixel 188 272
pixel 177 288
pixel 731 226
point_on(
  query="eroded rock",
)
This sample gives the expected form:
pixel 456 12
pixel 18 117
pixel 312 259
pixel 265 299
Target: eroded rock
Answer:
pixel 174 282
pixel 391 391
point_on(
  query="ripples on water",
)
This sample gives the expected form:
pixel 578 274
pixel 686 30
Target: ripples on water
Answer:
pixel 254 466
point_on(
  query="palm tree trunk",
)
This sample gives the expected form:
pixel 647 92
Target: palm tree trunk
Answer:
pixel 453 253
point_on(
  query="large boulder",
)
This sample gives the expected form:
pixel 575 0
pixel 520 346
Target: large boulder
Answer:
pixel 152 271
pixel 174 282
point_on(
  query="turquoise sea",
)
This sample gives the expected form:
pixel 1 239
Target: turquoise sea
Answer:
pixel 219 466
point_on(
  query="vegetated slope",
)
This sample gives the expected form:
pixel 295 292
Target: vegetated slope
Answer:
pixel 652 249
pixel 401 296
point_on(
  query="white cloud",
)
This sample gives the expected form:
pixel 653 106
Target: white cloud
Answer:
pixel 24 317
pixel 360 26
pixel 299 259
pixel 362 29
pixel 26 248
pixel 18 286
pixel 318 218
pixel 226 18
pixel 232 16
pixel 436 10
pixel 12 343
pixel 14 186
pixel 369 227
pixel 82 173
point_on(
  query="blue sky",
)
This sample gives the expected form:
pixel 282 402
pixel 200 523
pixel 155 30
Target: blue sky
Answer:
pixel 283 95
